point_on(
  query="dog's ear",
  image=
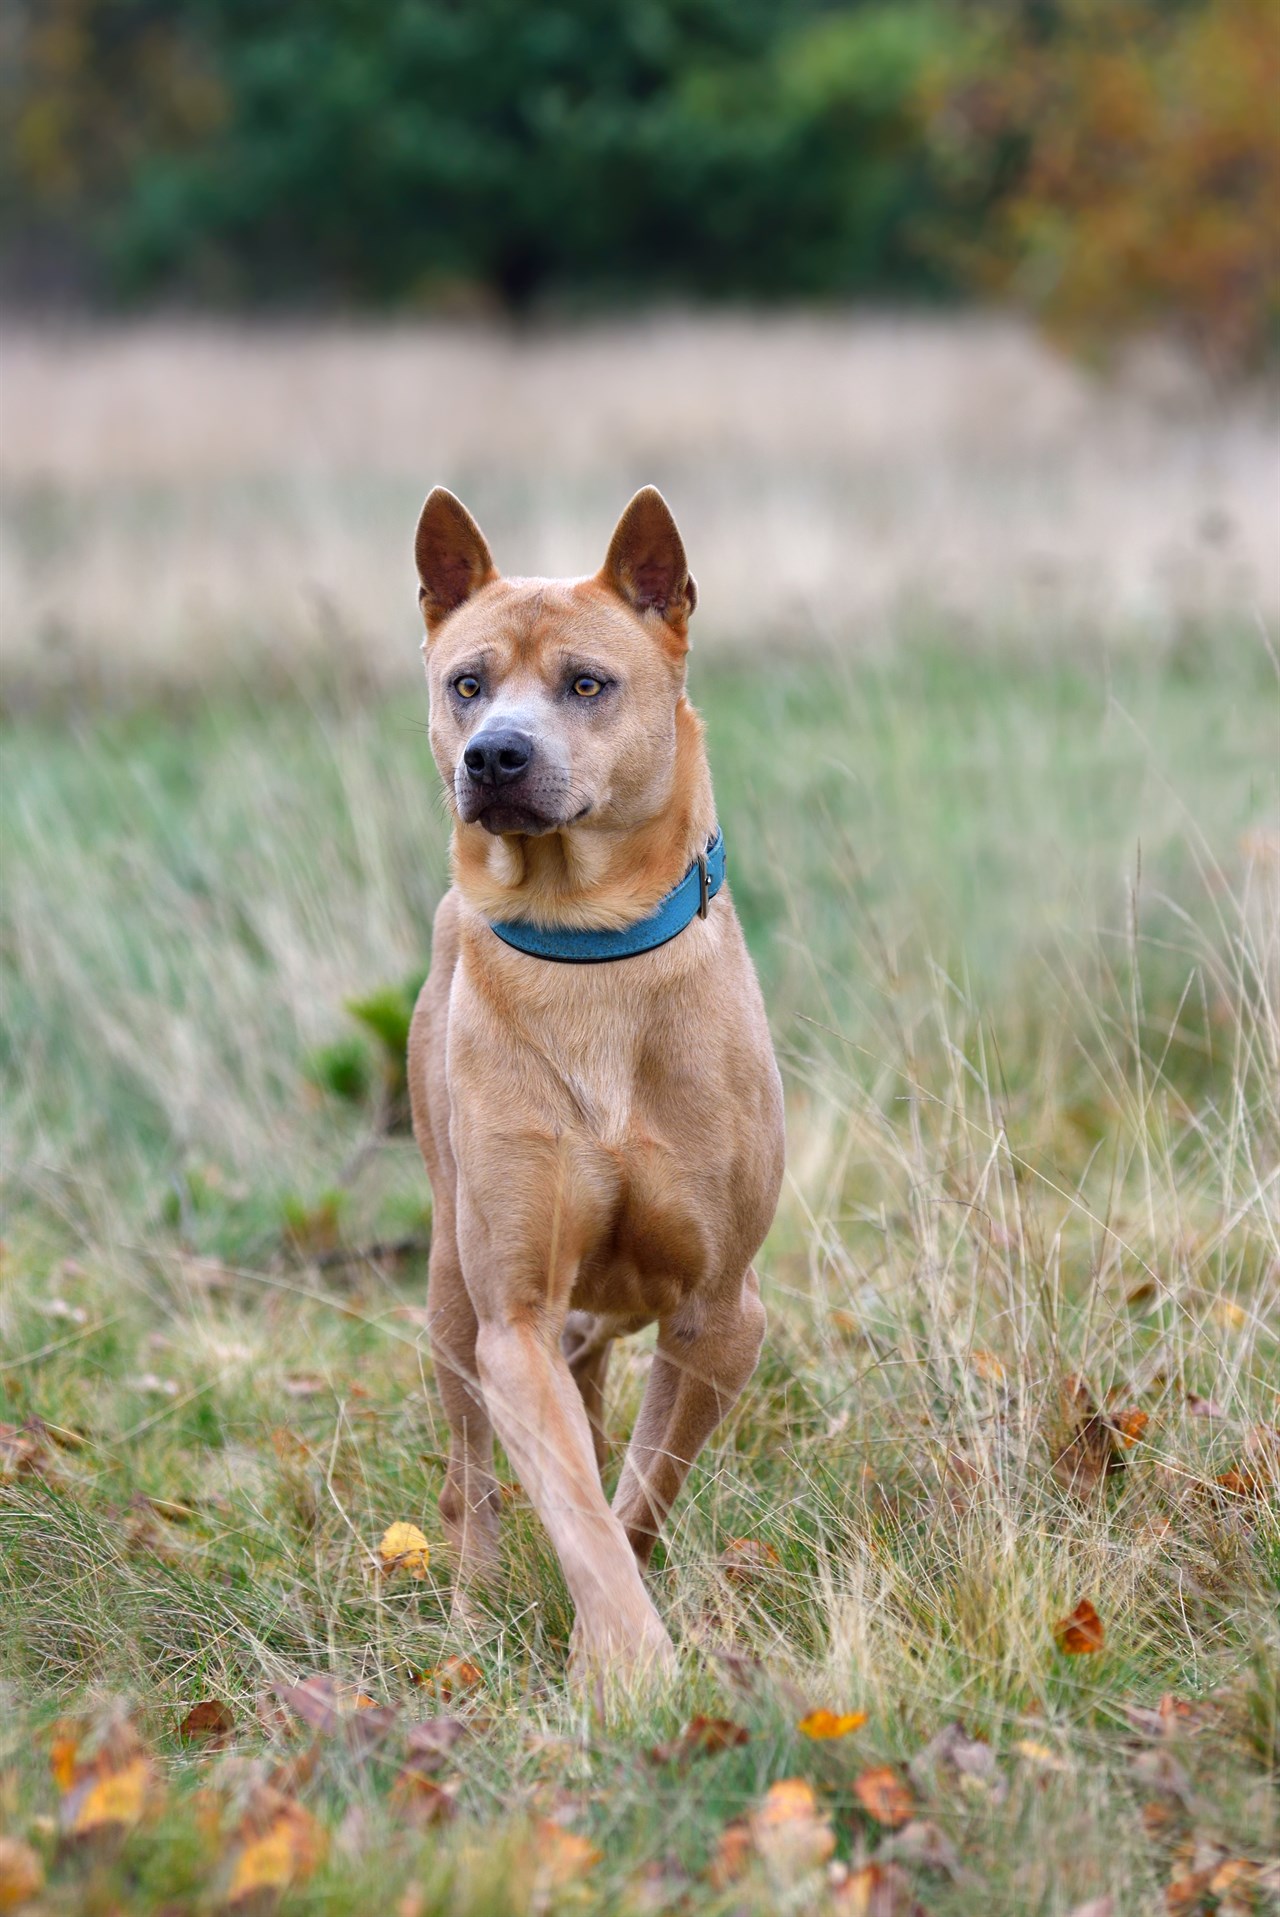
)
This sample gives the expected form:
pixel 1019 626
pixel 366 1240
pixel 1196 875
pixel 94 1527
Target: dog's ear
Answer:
pixel 646 565
pixel 453 559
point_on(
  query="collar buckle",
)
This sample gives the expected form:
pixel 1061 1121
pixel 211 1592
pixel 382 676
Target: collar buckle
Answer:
pixel 704 885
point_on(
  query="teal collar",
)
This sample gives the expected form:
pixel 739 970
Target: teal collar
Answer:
pixel 570 946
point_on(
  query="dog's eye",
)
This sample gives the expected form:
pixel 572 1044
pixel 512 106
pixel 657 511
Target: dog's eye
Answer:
pixel 586 687
pixel 467 686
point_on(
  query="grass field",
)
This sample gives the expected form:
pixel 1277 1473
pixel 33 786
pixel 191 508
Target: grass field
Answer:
pixel 1017 910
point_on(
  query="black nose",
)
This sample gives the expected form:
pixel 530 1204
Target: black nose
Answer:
pixel 495 758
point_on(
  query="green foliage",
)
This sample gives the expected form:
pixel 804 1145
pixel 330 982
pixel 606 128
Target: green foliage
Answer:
pixel 387 1013
pixel 341 1068
pixel 402 150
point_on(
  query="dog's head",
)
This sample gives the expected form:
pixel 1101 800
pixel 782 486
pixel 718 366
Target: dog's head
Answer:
pixel 553 702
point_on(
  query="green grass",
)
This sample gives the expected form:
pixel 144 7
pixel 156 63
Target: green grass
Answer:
pixel 1017 923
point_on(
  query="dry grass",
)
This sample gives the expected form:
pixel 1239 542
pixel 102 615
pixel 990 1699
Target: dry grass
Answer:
pixel 184 504
pixel 1016 903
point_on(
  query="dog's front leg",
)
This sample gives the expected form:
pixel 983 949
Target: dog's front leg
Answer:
pixel 539 1415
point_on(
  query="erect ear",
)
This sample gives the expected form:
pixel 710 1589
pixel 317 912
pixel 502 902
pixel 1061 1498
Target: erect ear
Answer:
pixel 646 565
pixel 453 559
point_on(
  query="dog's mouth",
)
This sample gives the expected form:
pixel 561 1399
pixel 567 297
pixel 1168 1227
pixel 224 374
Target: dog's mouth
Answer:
pixel 515 811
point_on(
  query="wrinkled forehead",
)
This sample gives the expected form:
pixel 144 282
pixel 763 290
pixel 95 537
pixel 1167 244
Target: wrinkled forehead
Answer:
pixel 533 626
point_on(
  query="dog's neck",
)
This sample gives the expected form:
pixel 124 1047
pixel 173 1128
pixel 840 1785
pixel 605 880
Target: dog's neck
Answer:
pixel 584 876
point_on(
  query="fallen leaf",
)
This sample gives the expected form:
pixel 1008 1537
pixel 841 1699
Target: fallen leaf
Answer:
pixel 280 1843
pixel 22 1453
pixel 875 1890
pixel 454 1678
pixel 1159 1770
pixel 923 1844
pixel 1185 1896
pixel 110 1803
pixel 884 1795
pixel 209 1719
pixel 106 1778
pixel 701 1737
pixel 21 1873
pixel 987 1366
pixel 822 1725
pixel 419 1798
pixel 953 1747
pixel 1229 1314
pixel 1130 1425
pixel 403 1548
pixel 430 1744
pixel 846 1323
pixel 1040 1754
pixel 1084 1450
pixel 789 1829
pixel 1170 1715
pixel 734 1852
pixel 320 1702
pixel 1082 1632
pixel 744 1560
pixel 561 1855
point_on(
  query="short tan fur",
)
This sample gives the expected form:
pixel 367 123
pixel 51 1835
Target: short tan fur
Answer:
pixel 605 1140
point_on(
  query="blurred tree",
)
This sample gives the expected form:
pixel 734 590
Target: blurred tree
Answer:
pixel 1114 163
pixel 1129 154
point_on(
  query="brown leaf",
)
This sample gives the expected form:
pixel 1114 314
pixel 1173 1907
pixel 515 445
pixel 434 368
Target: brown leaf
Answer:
pixel 1185 1896
pixel 924 1845
pixel 23 1453
pixel 1082 1632
pixel 790 1831
pixel 1170 1715
pixel 431 1743
pixel 210 1719
pixel 884 1795
pixel 279 1844
pixel 1159 1770
pixel 1084 1449
pixel 953 1747
pixel 701 1737
pixel 561 1855
pixel 875 1890
pixel 21 1873
pixel 421 1800
pixel 1129 1427
pixel 734 1852
pixel 315 1701
pixel 454 1678
pixel 747 1560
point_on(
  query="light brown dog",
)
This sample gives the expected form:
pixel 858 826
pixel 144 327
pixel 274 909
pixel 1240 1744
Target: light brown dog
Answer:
pixel 604 1140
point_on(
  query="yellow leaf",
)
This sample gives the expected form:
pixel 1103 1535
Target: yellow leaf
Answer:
pixel 1039 1754
pixel 403 1548
pixel 790 1831
pixel 117 1797
pixel 562 1855
pixel 270 1859
pixel 21 1874
pixel 821 1725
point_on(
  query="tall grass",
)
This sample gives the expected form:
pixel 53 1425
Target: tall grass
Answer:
pixel 1018 921
pixel 188 506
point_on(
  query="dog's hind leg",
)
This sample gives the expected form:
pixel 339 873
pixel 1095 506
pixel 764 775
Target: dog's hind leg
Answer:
pixel 586 1352
pixel 694 1383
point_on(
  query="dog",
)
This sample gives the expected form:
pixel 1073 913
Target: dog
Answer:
pixel 593 1084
